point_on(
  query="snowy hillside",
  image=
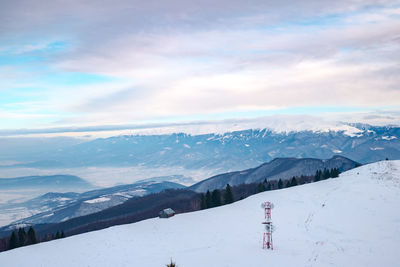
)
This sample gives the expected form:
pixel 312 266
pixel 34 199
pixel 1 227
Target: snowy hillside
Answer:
pixel 348 221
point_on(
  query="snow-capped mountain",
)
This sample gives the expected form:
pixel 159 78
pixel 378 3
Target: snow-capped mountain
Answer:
pixel 228 151
pixel 347 221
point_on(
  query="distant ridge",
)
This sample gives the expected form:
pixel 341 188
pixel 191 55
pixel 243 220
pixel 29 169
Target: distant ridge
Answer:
pixel 278 168
pixel 58 207
pixel 53 182
pixel 230 151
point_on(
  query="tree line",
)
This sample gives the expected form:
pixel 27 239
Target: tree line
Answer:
pixel 230 194
pixel 20 238
pixel 216 198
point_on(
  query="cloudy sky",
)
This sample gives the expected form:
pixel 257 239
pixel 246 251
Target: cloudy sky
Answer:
pixel 79 64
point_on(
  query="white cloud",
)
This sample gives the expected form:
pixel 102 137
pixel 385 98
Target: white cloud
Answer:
pixel 183 59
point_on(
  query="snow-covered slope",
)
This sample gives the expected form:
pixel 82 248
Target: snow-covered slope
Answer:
pixel 348 221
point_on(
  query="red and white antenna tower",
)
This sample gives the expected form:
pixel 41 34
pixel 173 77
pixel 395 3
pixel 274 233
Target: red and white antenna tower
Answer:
pixel 269 228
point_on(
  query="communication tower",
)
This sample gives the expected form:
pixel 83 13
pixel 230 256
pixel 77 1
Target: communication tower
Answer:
pixel 269 228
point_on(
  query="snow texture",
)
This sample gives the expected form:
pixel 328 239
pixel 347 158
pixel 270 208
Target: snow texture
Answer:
pixel 352 220
pixel 97 200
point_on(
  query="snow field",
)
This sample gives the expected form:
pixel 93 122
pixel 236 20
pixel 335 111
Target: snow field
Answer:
pixel 352 220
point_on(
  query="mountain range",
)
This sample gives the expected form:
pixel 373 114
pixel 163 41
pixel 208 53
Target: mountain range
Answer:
pixel 222 152
pixel 59 183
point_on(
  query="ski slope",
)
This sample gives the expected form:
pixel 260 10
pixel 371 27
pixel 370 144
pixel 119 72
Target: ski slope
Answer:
pixel 353 220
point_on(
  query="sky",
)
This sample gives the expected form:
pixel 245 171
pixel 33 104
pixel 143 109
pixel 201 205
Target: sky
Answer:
pixel 69 66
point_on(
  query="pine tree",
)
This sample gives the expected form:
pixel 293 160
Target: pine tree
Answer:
pixel 317 176
pixel 335 173
pixel 21 237
pixel 58 235
pixel 228 195
pixel 13 240
pixel 260 188
pixel 62 234
pixel 268 187
pixel 287 184
pixel 203 203
pixel 280 184
pixel 31 236
pixel 293 182
pixel 208 199
pixel 216 198
pixel 326 174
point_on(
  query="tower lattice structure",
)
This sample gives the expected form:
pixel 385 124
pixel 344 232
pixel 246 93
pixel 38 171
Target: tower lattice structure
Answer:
pixel 267 236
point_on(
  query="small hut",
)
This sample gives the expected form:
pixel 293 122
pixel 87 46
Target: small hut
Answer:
pixel 166 213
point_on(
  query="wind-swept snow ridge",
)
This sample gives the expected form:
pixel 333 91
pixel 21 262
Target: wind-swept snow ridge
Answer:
pixel 352 220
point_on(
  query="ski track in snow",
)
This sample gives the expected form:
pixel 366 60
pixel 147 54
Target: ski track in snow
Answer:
pixel 352 221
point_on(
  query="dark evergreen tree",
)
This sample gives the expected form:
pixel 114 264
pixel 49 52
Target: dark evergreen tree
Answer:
pixel 280 184
pixel 58 235
pixel 268 187
pixel 335 172
pixel 31 236
pixel 326 174
pixel 260 188
pixel 21 237
pixel 216 198
pixel 208 199
pixel 203 203
pixel 317 176
pixel 62 234
pixel 287 184
pixel 14 240
pixel 293 182
pixel 228 195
